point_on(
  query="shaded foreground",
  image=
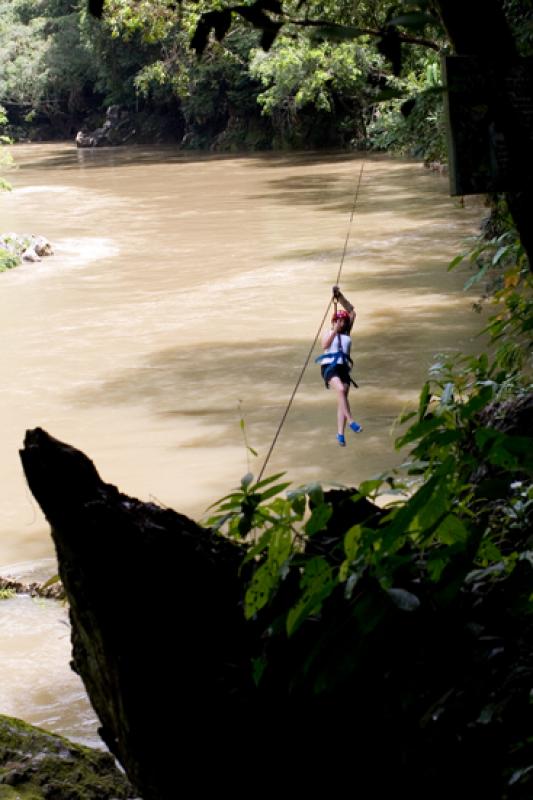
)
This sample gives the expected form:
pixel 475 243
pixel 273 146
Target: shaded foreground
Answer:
pixel 430 700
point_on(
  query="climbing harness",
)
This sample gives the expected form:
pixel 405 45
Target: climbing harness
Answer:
pixel 340 358
pixel 336 357
pixel 310 353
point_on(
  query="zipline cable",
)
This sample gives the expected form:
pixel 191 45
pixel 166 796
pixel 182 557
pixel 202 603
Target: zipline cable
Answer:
pixel 310 353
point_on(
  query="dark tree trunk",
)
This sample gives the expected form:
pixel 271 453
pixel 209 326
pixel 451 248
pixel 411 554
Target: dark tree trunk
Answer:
pixel 480 28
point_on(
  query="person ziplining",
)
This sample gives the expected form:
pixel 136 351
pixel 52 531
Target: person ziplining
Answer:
pixel 343 329
pixel 336 362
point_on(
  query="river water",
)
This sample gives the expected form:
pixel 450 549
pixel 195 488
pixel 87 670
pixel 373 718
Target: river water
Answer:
pixel 183 296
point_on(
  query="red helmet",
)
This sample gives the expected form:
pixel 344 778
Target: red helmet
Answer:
pixel 340 315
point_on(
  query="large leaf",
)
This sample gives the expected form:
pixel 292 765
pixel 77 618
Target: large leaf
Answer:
pixel 352 541
pixel 367 488
pixel 476 402
pixel 397 526
pixel 258 592
pixel 479 275
pixel 502 450
pixel 259 547
pixel 456 261
pixel 273 490
pixel 317 583
pixel 418 430
pixel 266 578
pixel 227 497
pixel 280 548
pixel 267 481
pixel 433 510
pixel 319 518
pixel 298 504
pixel 316 493
pixel 425 397
pixel 452 530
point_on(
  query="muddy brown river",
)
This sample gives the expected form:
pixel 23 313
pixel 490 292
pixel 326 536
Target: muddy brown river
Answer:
pixel 184 294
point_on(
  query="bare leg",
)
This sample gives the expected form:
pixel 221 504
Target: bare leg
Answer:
pixel 344 413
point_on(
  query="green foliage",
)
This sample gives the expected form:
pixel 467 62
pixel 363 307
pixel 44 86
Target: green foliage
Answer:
pixel 11 249
pixel 9 253
pixel 7 594
pixel 144 59
pixel 316 87
pixel 412 123
pixel 321 77
pixel 502 268
pixel 221 93
pixel 43 65
pixel 273 527
pixel 520 17
pixel 5 160
pixel 8 260
pixel 324 67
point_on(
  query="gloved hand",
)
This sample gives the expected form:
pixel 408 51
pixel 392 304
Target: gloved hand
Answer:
pixel 336 292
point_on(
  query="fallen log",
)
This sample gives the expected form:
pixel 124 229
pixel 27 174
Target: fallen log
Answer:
pixel 161 642
pixel 158 631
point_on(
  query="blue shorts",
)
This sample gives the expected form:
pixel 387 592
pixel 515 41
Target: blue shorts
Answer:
pixel 339 370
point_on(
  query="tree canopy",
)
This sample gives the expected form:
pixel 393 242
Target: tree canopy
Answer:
pixel 316 85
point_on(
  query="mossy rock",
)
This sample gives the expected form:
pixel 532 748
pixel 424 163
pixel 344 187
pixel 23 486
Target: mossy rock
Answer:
pixel 37 765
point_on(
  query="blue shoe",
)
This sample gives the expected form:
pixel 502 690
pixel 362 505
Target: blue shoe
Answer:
pixel 341 440
pixel 356 428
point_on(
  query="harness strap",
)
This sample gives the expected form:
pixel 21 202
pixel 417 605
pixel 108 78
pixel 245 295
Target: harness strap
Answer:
pixel 338 355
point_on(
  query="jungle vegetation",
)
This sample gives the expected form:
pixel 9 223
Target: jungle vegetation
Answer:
pixel 315 86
